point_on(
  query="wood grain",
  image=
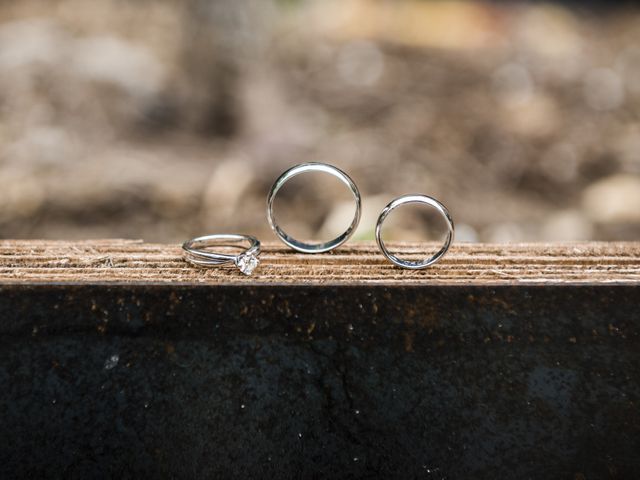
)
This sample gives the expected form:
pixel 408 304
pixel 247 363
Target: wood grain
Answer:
pixel 133 261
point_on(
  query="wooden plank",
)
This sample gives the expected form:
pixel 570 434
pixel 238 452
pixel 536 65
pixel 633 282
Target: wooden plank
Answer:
pixel 126 261
pixel 118 359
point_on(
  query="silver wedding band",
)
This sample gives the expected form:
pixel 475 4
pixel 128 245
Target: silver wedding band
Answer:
pixel 313 247
pixel 422 199
pixel 197 251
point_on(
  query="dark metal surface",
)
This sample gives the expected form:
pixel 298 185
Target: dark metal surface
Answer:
pixel 320 382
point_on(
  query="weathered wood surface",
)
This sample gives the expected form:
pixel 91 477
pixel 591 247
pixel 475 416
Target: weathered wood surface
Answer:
pixel 119 360
pixel 131 261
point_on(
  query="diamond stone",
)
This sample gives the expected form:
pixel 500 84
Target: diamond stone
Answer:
pixel 247 263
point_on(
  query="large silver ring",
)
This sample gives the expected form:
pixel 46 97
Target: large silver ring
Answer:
pixel 415 198
pixel 197 251
pixel 313 247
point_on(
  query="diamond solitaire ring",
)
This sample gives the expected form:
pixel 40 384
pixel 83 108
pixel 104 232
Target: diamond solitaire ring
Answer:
pixel 313 247
pixel 421 199
pixel 198 251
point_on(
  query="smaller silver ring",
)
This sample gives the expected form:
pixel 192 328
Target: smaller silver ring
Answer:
pixel 426 200
pixel 246 261
pixel 313 247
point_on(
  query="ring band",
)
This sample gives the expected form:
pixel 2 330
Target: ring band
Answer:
pixel 246 261
pixel 313 247
pixel 426 200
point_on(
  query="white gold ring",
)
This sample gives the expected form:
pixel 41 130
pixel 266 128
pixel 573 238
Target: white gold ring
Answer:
pixel 197 251
pixel 415 198
pixel 313 247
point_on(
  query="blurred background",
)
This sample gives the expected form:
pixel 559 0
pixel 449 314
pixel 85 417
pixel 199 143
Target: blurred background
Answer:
pixel 163 119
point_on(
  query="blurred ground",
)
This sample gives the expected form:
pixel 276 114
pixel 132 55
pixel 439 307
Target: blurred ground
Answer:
pixel 163 119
